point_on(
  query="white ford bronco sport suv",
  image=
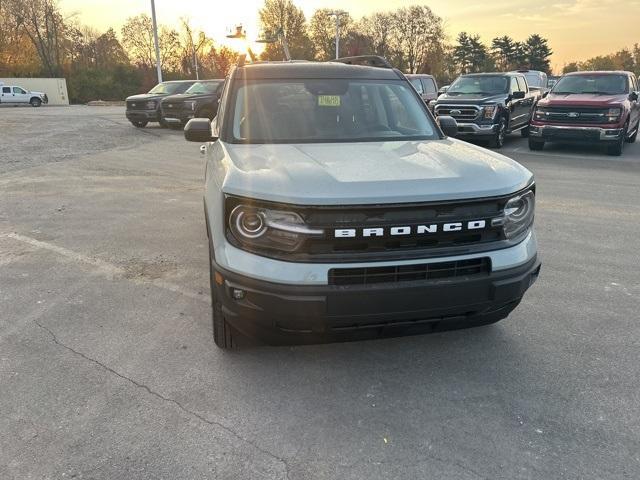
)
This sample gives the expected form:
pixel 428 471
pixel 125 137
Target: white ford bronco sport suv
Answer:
pixel 336 207
pixel 17 94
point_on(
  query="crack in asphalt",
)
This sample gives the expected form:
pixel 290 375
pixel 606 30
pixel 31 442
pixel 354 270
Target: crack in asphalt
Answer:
pixel 158 395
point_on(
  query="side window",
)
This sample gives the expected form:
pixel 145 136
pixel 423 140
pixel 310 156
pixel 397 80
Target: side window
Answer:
pixel 417 85
pixel 514 85
pixel 429 85
pixel 18 90
pixel 6 89
pixel 522 84
pixel 633 86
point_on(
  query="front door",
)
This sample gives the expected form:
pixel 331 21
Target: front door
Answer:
pixel 20 95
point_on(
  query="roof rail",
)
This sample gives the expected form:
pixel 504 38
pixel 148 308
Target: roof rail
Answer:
pixel 366 60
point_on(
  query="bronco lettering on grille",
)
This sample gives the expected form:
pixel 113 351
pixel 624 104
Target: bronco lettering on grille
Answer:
pixel 410 230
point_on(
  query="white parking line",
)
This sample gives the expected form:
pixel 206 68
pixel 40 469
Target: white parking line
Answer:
pixel 105 268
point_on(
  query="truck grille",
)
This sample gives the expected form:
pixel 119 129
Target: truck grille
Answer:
pixel 464 113
pixel 172 108
pixel 137 104
pixel 409 273
pixel 577 115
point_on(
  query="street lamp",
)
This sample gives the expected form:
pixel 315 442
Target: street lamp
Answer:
pixel 155 39
pixel 338 14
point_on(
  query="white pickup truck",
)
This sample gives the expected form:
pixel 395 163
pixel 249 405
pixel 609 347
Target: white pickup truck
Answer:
pixel 16 94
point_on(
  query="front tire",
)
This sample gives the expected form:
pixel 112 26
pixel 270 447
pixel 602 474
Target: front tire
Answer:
pixel 536 145
pixel 615 150
pixel 35 102
pixel 498 138
pixel 139 124
pixel 224 335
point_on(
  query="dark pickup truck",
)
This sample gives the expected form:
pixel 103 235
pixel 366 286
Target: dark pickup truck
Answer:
pixel 489 105
pixel 200 101
pixel 145 108
pixel 589 107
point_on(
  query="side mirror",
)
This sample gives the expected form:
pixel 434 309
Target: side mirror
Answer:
pixel 633 96
pixel 546 94
pixel 519 95
pixel 199 130
pixel 448 125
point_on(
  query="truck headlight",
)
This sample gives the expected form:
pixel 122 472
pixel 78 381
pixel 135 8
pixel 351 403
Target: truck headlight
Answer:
pixel 489 111
pixel 518 214
pixel 613 114
pixel 261 228
pixel 540 113
pixel 151 105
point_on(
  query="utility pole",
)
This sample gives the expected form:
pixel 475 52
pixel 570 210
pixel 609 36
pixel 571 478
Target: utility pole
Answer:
pixel 155 38
pixel 338 14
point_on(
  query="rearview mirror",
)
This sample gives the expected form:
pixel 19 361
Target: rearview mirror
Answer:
pixel 518 95
pixel 633 96
pixel 448 125
pixel 199 130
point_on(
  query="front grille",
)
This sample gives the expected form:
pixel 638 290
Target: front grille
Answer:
pixel 137 105
pixel 459 112
pixel 409 273
pixel 172 108
pixel 424 230
pixel 577 115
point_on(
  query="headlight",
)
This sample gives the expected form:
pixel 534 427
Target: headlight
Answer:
pixel 151 105
pixel 540 113
pixel 518 214
pixel 269 229
pixel 432 105
pixel 613 114
pixel 489 111
pixel 190 105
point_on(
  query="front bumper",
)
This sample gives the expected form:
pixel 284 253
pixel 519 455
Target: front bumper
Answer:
pixel 178 117
pixel 143 115
pixel 474 129
pixel 291 313
pixel 573 133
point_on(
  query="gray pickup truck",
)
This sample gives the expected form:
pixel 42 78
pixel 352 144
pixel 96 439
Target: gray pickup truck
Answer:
pixel 337 208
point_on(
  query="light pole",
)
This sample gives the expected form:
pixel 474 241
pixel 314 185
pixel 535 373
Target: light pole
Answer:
pixel 338 14
pixel 155 39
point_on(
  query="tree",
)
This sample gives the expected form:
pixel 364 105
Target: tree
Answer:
pixel 471 55
pixel 417 32
pixel 191 54
pixel 571 67
pixel 504 52
pixel 379 29
pixel 283 16
pixel 43 24
pixel 538 53
pixel 322 31
pixel 137 38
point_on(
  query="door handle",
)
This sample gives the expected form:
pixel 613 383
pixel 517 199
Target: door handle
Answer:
pixel 203 149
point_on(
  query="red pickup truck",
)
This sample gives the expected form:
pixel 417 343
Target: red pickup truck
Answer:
pixel 593 107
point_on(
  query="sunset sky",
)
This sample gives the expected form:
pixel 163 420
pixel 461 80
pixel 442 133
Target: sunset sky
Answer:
pixel 576 29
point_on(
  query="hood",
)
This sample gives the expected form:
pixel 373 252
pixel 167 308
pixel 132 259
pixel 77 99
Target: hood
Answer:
pixel 144 97
pixel 470 98
pixel 369 173
pixel 179 98
pixel 582 99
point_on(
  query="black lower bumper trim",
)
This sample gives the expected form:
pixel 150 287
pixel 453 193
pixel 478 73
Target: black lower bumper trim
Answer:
pixel 279 314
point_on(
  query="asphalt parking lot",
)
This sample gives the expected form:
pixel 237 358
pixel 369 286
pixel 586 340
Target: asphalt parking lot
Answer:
pixel 108 368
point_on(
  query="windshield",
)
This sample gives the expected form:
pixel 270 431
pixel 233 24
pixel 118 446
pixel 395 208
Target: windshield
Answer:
pixel 170 88
pixel 533 80
pixel 475 85
pixel 594 84
pixel 328 110
pixel 203 87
